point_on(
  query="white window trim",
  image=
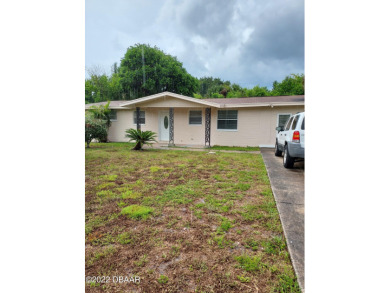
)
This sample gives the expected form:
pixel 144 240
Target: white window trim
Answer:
pixel 277 118
pixel 189 117
pixel 228 130
pixel 135 117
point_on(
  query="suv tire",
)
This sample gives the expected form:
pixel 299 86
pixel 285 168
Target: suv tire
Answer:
pixel 278 152
pixel 288 162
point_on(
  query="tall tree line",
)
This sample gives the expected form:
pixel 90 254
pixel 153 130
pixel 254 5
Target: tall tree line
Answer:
pixel 146 70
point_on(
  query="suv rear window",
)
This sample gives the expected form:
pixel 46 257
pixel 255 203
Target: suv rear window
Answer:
pixel 294 125
pixel 303 124
pixel 288 124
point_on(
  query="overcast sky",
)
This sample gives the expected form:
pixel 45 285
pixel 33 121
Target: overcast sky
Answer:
pixel 247 42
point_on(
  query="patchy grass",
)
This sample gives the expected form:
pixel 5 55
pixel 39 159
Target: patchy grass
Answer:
pixel 183 221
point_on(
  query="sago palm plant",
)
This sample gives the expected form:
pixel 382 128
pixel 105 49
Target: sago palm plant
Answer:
pixel 141 137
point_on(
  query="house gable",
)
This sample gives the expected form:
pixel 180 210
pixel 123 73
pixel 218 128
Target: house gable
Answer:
pixel 167 99
pixel 169 102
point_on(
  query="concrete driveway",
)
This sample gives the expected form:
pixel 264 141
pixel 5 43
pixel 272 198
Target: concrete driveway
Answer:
pixel 288 189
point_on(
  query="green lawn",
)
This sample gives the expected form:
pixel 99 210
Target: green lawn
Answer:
pixel 182 221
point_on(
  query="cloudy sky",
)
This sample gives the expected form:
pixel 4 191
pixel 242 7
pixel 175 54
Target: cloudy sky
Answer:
pixel 247 42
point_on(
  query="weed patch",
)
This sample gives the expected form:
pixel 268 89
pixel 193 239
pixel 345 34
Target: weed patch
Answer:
pixel 275 246
pixel 243 279
pixel 106 185
pixel 251 212
pixel 225 226
pixel 287 283
pixel 163 279
pixel 252 244
pixel 176 195
pixel 126 238
pixel 106 252
pixel 242 186
pixel 105 193
pixel 130 194
pixel 154 169
pixel 137 212
pixel 109 177
pixel 250 263
pixel 142 261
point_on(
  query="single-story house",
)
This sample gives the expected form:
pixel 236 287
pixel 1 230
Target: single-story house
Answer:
pixel 182 120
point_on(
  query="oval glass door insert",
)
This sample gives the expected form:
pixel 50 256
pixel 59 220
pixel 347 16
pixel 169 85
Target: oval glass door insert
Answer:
pixel 166 122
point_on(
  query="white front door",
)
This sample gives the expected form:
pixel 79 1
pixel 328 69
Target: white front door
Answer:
pixel 163 126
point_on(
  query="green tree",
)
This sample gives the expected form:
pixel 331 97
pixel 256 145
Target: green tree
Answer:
pixel 114 88
pixel 209 85
pixel 258 91
pixel 89 90
pixel 146 70
pixel 97 88
pixel 292 85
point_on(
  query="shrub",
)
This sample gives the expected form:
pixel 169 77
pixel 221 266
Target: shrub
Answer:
pixel 141 137
pixel 102 113
pixel 94 129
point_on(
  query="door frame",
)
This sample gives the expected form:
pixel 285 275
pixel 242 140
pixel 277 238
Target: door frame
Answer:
pixel 161 115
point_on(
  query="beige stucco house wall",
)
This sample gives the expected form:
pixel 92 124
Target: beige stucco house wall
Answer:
pixel 256 118
pixel 255 126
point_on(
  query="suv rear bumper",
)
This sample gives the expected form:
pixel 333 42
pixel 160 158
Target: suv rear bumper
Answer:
pixel 295 150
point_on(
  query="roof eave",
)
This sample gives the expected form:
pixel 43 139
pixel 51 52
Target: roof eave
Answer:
pixel 112 108
pixel 252 105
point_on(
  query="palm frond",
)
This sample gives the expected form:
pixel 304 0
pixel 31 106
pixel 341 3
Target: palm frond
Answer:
pixel 141 137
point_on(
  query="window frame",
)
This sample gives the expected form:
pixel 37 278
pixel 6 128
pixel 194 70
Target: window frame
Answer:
pixel 135 117
pixel 277 119
pixel 201 117
pixel 223 129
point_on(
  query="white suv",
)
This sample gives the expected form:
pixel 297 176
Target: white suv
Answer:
pixel 290 140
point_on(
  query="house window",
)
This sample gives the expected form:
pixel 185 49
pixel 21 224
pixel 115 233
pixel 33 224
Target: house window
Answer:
pixel 141 117
pixel 282 119
pixel 195 117
pixel 227 119
pixel 112 115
